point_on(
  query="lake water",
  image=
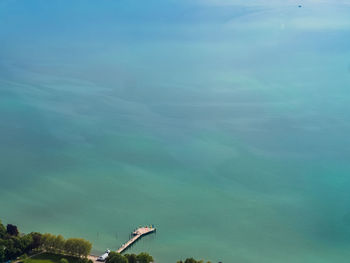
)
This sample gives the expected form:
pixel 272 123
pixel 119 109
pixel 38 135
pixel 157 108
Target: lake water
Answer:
pixel 224 123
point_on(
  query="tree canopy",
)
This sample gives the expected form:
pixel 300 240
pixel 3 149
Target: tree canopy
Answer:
pixel 2 230
pixel 132 258
pixel 12 230
pixel 114 257
pixel 144 258
pixel 77 247
pixel 192 260
pixel 13 245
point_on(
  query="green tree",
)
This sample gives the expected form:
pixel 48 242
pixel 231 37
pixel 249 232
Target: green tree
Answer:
pixel 2 253
pixel 2 230
pixel 63 260
pixel 77 247
pixel 84 247
pixel 48 241
pixel 24 243
pixel 58 243
pixel 114 257
pixel 144 258
pixel 192 260
pixel 132 258
pixel 12 230
pixel 12 250
pixel 69 246
pixel 37 242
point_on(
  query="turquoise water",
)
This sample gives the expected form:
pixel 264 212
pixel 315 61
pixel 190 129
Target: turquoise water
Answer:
pixel 224 123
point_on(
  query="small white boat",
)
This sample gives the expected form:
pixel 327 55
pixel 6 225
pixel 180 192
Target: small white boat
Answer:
pixel 104 256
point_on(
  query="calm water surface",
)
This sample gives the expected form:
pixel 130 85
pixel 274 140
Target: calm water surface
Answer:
pixel 224 123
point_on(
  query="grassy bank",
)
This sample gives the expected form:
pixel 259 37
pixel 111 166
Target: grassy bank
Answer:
pixel 51 258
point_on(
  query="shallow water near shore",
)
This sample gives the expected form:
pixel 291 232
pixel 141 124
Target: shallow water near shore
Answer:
pixel 225 124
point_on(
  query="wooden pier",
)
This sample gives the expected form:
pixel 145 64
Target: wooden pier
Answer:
pixel 137 234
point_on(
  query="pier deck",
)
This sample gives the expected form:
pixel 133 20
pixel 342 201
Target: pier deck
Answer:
pixel 138 233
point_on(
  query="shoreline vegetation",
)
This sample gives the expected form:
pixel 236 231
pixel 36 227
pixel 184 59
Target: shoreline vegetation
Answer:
pixel 36 247
pixel 15 245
